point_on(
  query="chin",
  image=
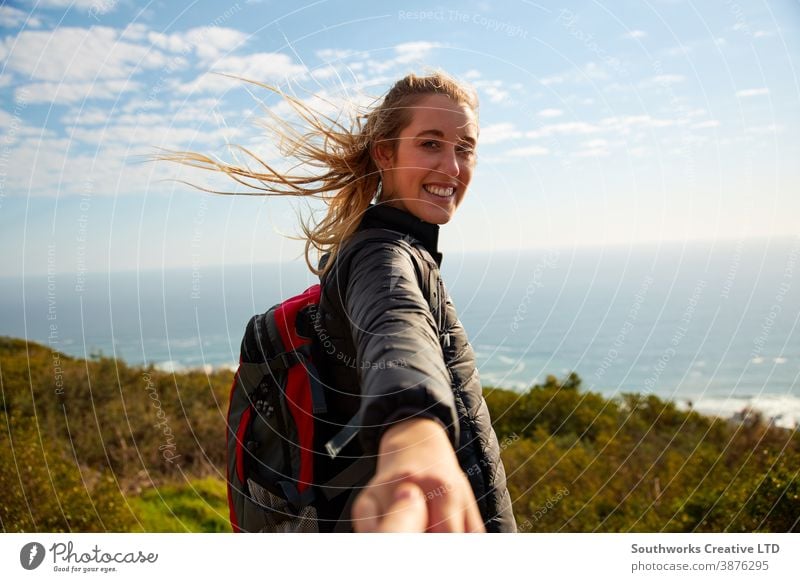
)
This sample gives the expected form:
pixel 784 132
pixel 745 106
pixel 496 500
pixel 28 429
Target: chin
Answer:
pixel 440 217
pixel 434 215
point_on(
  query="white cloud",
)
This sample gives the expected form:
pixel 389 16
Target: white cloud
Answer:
pixel 325 72
pixel 409 52
pixel 763 34
pixel 135 31
pixel 752 92
pixel 591 71
pixel 550 113
pixel 594 71
pixel 109 157
pixel 157 135
pixel 493 89
pixel 498 132
pixel 262 67
pixel 336 54
pixel 677 51
pixel 553 80
pixel 339 103
pixel 626 123
pixel 11 17
pixel 207 42
pixel 610 126
pixel 404 54
pixel 77 54
pixel 496 95
pixel 93 7
pixel 140 104
pixel 138 113
pixel 662 81
pixel 83 60
pixel 706 124
pixel 74 92
pixel 595 143
pixel 5 121
pixel 765 129
pixel 635 34
pixel 596 152
pixel 568 128
pixel 87 116
pixel 169 42
pixel 534 150
pixel 46 160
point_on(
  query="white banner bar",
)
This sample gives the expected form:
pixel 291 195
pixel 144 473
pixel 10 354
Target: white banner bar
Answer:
pixel 399 557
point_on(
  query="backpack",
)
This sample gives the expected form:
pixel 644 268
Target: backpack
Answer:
pixel 274 399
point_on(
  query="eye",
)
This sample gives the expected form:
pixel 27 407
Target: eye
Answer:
pixel 466 151
pixel 430 144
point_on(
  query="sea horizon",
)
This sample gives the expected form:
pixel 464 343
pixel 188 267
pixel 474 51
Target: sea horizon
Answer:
pixel 714 323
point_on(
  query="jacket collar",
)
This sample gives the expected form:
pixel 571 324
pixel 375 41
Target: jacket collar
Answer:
pixel 388 217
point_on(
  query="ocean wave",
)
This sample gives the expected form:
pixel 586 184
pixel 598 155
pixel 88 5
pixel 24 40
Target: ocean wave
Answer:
pixel 170 367
pixel 494 348
pixel 780 409
pixel 762 359
pixel 503 381
pixel 175 367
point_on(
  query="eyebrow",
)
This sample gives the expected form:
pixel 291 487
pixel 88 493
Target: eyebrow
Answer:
pixel 440 134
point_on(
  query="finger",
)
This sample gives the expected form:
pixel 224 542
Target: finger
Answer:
pixel 446 514
pixel 407 512
pixel 365 513
pixel 473 522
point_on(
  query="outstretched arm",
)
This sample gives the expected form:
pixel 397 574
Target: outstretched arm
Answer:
pixel 418 485
pixel 405 386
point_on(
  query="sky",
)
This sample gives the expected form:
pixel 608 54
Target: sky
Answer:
pixel 624 123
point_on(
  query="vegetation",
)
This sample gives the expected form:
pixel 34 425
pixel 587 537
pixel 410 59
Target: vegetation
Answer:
pixel 97 445
pixel 200 505
pixel 579 462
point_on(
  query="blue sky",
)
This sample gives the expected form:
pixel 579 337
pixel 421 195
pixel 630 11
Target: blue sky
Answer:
pixel 601 123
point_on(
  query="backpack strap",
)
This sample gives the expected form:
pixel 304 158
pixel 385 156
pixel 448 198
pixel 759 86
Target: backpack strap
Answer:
pixel 343 437
pixel 355 474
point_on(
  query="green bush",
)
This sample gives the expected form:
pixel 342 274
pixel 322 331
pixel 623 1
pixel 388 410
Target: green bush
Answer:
pixel 197 506
pixel 44 490
pixel 580 462
pixel 101 446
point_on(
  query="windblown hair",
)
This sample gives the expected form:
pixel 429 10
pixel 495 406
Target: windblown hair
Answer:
pixel 336 160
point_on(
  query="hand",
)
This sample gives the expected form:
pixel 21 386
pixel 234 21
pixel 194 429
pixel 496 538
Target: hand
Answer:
pixel 418 485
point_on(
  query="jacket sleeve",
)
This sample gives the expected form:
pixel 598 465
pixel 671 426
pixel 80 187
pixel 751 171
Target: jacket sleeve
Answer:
pixel 401 364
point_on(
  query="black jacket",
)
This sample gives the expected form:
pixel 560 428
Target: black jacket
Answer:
pixel 390 346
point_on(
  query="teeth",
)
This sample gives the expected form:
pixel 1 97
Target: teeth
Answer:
pixel 443 192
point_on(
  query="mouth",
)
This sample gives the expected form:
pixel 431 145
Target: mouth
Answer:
pixel 441 191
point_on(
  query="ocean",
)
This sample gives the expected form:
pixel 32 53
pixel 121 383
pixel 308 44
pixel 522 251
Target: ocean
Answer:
pixel 714 324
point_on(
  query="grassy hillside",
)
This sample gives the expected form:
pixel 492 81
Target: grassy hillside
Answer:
pixel 99 445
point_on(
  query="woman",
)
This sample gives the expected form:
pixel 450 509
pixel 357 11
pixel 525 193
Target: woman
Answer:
pixel 396 356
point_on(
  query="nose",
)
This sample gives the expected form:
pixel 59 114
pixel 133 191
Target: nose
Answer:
pixel 449 163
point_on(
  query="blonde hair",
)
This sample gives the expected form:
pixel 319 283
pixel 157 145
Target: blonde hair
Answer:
pixel 348 177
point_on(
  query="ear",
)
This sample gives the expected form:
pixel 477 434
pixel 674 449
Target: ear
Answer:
pixel 383 154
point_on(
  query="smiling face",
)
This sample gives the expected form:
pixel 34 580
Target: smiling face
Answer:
pixel 427 171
